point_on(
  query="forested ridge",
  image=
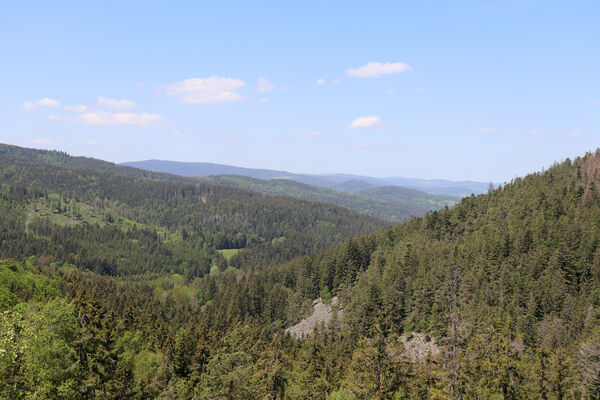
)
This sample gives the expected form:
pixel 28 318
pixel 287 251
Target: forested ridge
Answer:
pixel 62 159
pixel 395 207
pixel 506 284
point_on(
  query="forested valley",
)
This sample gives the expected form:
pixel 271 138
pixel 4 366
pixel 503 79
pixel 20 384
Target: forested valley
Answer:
pixel 113 285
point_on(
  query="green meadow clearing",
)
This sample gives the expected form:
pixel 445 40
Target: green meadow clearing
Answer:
pixel 228 253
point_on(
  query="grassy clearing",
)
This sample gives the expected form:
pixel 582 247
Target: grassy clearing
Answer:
pixel 228 253
pixel 74 213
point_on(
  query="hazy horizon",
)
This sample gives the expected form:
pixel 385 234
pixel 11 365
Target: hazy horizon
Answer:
pixel 300 172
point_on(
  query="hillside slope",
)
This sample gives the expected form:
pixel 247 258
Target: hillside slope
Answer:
pixel 270 229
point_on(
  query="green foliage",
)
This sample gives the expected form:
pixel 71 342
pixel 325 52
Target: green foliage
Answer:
pixel 36 356
pixel 18 284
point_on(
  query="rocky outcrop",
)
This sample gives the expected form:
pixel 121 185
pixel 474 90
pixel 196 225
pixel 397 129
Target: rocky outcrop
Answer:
pixel 419 347
pixel 321 314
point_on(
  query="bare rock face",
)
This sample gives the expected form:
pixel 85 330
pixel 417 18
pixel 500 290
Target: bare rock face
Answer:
pixel 322 313
pixel 418 347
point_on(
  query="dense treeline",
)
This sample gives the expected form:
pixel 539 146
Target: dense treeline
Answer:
pixel 507 285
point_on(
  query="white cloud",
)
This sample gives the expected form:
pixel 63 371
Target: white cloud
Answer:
pixel 320 82
pixel 76 109
pixel 113 103
pixel 91 143
pixel 365 122
pixel 305 134
pixel 376 69
pixel 264 100
pixel 389 91
pixel 48 102
pixel 177 134
pixel 112 148
pixel 487 130
pixel 42 141
pixel 337 81
pixel 538 132
pixel 45 102
pixel 575 133
pixel 363 144
pixel 264 85
pixel 101 118
pixel 594 104
pixel 206 90
pixel 58 118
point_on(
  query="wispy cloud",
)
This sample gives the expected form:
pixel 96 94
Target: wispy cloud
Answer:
pixel 114 103
pixel 363 144
pixel 177 134
pixel 594 104
pixel 320 82
pixel 102 118
pixel 206 90
pixel 377 69
pixel 264 85
pixel 487 130
pixel 365 123
pixel 45 102
pixel 389 91
pixel 575 133
pixel 90 143
pixel 309 134
pixel 76 109
pixel 264 100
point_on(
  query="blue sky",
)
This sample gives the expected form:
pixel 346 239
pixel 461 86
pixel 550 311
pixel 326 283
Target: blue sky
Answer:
pixel 450 89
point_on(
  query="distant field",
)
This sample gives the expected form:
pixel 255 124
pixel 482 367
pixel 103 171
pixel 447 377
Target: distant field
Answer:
pixel 228 253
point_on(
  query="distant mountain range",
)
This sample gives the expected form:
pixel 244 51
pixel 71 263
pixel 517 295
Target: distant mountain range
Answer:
pixel 339 182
